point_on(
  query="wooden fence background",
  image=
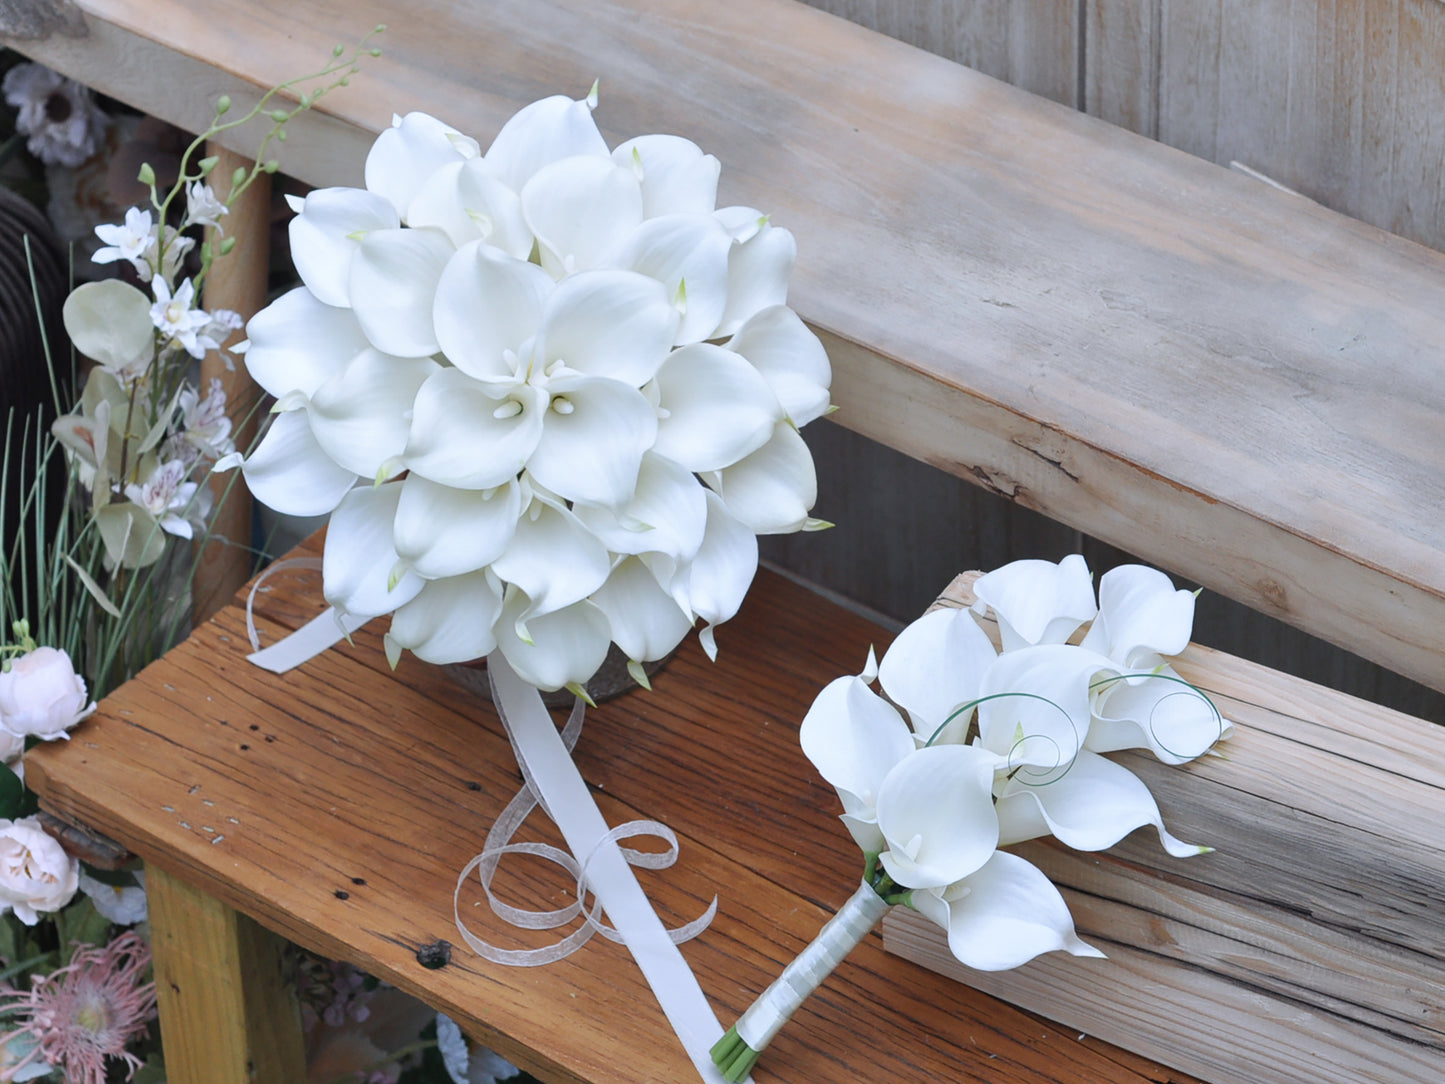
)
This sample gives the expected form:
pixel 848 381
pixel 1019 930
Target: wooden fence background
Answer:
pixel 1342 101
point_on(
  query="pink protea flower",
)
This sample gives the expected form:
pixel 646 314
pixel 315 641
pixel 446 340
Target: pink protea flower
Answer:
pixel 90 1010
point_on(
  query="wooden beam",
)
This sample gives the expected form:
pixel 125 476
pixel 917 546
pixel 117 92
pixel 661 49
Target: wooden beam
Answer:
pixel 228 1013
pixel 237 282
pixel 1235 384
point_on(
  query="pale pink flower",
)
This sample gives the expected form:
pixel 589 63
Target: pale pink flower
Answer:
pixel 85 1013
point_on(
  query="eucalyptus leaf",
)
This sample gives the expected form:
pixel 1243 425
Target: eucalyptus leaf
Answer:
pixel 132 537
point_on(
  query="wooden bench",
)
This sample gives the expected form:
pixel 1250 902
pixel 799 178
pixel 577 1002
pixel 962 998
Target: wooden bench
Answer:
pixel 1239 385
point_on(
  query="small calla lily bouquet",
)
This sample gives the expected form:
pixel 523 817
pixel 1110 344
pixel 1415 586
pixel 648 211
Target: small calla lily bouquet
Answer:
pixel 549 393
pixel 971 748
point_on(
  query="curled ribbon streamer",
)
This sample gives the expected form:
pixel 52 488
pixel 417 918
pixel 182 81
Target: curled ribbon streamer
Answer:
pixel 499 843
pixel 546 920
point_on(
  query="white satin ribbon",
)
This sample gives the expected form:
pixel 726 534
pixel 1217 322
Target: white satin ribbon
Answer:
pixel 323 631
pixel 547 760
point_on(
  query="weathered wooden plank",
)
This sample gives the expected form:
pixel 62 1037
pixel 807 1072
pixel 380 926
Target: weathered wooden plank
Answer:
pixel 335 804
pixel 1310 936
pixel 229 1014
pixel 1286 451
pixel 1032 44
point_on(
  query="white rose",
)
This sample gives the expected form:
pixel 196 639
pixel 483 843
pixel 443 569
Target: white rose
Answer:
pixel 41 694
pixel 36 875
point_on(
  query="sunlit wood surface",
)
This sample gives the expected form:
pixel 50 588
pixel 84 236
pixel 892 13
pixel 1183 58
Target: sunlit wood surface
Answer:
pixel 336 805
pixel 1234 383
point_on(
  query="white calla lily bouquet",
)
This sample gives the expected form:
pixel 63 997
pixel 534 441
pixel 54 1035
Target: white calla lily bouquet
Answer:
pixel 970 749
pixel 549 393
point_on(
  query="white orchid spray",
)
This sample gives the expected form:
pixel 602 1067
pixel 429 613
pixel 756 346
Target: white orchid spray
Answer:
pixel 970 749
pixel 107 577
pixel 549 393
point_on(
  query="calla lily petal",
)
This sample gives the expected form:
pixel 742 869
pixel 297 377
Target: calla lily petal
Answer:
pixel 1003 916
pixel 677 177
pixel 567 645
pixel 472 435
pixel 289 472
pixel 791 358
pixel 616 324
pixel 408 152
pixel 298 343
pixel 324 237
pixel 1037 602
pixel 359 563
pixel 393 287
pixel 713 584
pixel 1161 713
pixel 717 409
pixel 487 305
pixel 447 532
pixel 758 273
pixel 1090 807
pixel 854 738
pixel 935 808
pixel 542 133
pixel 359 416
pixel 688 254
pixel 581 209
pixel 1037 712
pixel 450 620
pixel 593 440
pixel 553 558
pixel 110 321
pixel 468 202
pixel 773 489
pixel 667 513
pixel 934 666
pixel 1141 616
pixel 646 622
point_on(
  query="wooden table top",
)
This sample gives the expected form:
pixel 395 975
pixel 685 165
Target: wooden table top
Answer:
pixel 336 804
pixel 1227 380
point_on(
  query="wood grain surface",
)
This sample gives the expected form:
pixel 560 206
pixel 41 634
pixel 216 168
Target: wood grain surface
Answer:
pixel 1310 936
pixel 337 803
pixel 1234 383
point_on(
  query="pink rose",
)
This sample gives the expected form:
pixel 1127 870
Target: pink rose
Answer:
pixel 41 694
pixel 36 875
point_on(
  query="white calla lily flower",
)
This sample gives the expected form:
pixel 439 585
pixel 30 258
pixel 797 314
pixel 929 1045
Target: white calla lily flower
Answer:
pixel 1090 807
pixel 563 647
pixel 468 202
pixel 581 209
pixel 326 233
pixel 772 490
pixel 1035 708
pixel 677 178
pixel 1141 617
pixel 1037 602
pixel 542 133
pixel 360 568
pixel 934 669
pixel 646 621
pixel 298 343
pixel 790 358
pixel 450 620
pixel 392 287
pixel 410 151
pixel 935 810
pixel 1002 915
pixel 291 473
